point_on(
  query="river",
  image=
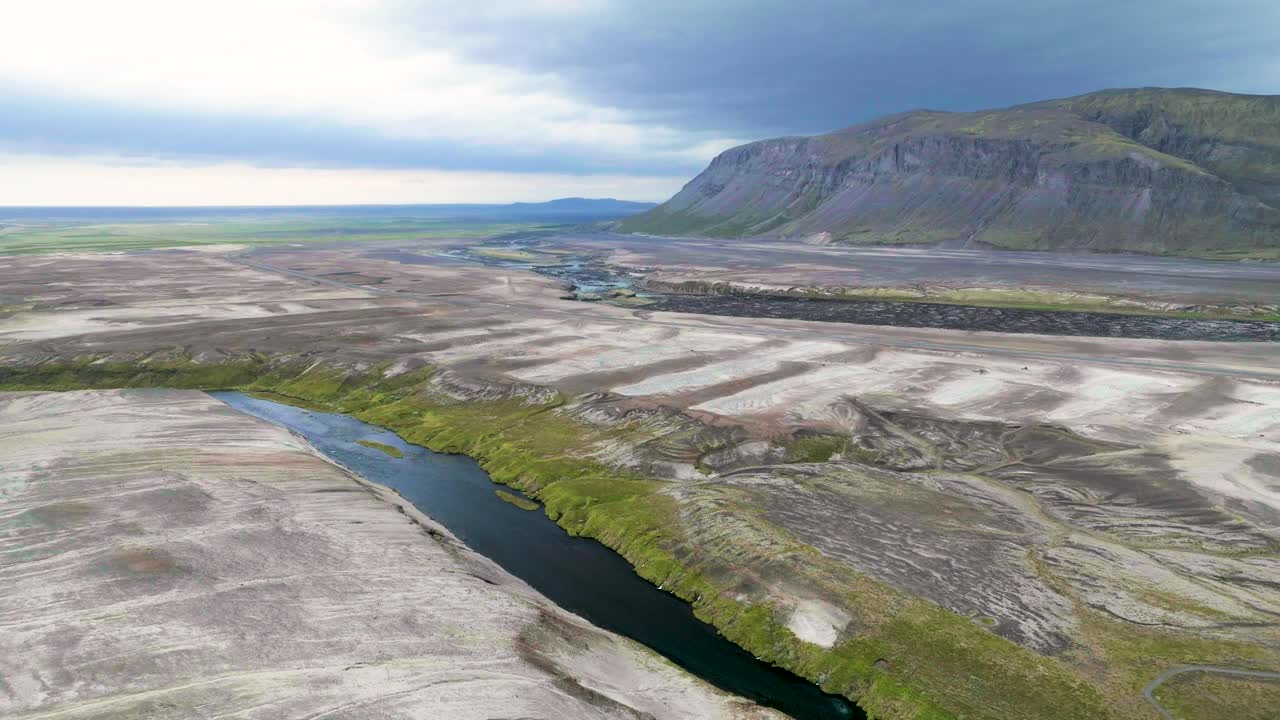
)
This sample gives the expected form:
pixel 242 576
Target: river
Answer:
pixel 579 574
pixel 594 278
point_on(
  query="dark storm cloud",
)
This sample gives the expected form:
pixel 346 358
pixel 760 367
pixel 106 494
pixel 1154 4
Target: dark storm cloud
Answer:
pixel 750 67
pixel 685 74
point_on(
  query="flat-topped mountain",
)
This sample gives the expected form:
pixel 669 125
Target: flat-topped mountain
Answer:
pixel 1177 171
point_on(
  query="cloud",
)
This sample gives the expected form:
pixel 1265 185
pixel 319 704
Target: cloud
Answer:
pixel 61 126
pixel 760 67
pixel 568 87
pixel 79 181
pixel 316 82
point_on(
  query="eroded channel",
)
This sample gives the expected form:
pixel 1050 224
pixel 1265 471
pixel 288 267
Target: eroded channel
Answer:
pixel 579 574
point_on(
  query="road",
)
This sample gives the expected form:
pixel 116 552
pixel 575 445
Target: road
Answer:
pixel 1150 689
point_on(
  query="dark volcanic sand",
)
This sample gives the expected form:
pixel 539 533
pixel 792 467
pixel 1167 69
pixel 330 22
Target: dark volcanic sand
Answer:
pixel 585 276
pixel 964 317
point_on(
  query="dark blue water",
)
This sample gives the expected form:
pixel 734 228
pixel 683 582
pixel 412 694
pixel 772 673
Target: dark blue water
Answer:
pixel 578 574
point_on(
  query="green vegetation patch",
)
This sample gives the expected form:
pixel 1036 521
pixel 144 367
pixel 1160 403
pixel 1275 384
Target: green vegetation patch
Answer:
pixel 516 255
pixel 175 370
pixel 127 237
pixel 286 400
pixel 391 450
pixel 817 448
pixel 510 497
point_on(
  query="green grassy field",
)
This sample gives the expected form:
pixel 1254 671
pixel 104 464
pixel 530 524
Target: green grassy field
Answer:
pixel 52 236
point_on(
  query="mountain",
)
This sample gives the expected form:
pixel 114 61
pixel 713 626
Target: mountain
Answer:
pixel 591 207
pixel 1152 170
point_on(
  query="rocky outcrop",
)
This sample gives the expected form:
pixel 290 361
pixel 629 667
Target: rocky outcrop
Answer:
pixel 1236 137
pixel 1046 176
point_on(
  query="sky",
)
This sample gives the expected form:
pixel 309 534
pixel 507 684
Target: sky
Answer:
pixel 265 102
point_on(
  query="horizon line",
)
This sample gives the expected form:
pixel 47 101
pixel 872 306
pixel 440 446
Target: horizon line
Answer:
pixel 316 205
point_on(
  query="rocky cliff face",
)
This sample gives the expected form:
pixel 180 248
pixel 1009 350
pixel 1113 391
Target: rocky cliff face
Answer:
pixel 1236 137
pixel 1147 171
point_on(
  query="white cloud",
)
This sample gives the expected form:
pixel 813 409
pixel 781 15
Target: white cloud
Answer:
pixel 39 180
pixel 336 60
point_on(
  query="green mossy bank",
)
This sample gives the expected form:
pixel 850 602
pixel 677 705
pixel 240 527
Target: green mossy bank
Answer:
pixel 512 498
pixel 907 658
pixel 391 450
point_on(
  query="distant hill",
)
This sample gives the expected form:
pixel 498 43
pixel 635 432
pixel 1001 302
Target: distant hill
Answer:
pixel 584 206
pixel 1167 171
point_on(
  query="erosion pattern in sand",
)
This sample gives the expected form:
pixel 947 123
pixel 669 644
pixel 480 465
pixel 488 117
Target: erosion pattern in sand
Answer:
pixel 163 556
pixel 1032 483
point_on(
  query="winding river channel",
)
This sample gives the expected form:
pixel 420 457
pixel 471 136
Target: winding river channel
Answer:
pixel 579 574
pixel 581 275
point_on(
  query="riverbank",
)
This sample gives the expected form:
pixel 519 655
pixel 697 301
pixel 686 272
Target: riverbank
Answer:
pixel 904 659
pixel 163 556
pixel 578 574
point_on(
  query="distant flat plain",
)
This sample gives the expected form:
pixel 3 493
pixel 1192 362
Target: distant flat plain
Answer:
pixel 100 229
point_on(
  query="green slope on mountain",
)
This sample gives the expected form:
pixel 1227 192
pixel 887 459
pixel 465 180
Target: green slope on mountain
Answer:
pixel 1157 171
pixel 1236 137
